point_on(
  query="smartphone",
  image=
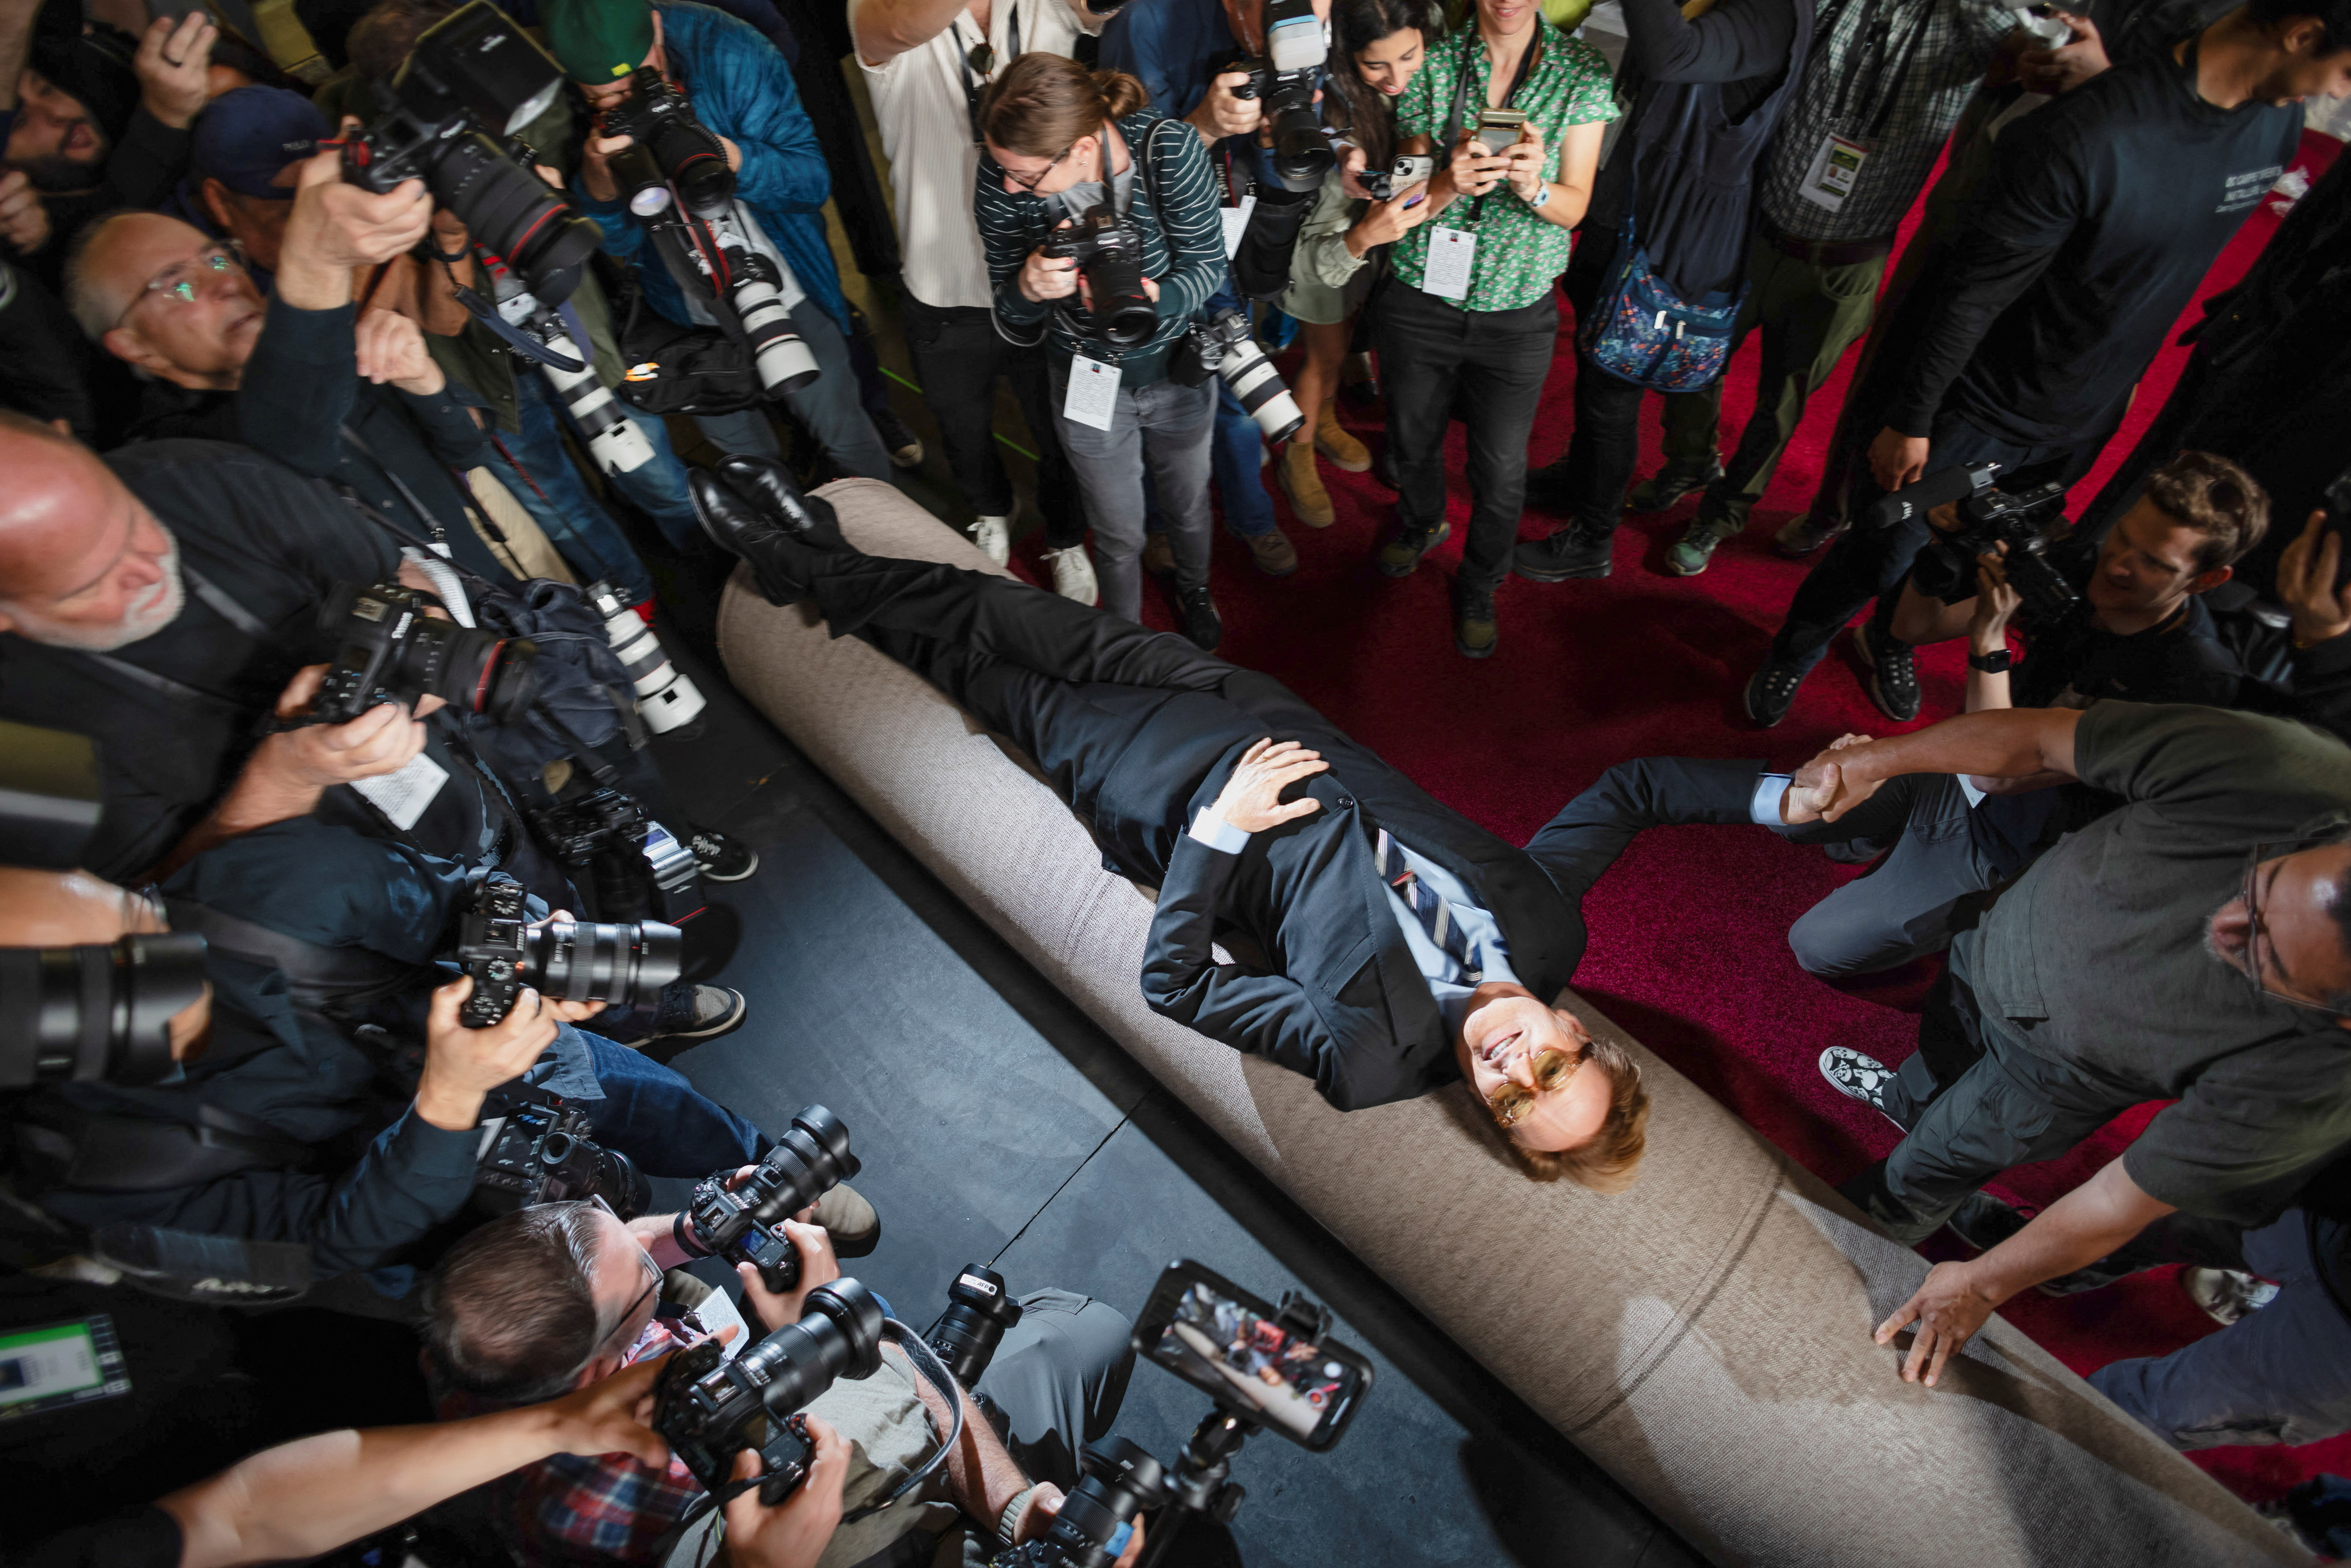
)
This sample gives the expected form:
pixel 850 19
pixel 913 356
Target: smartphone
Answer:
pixel 1212 1333
pixel 1498 127
pixel 174 9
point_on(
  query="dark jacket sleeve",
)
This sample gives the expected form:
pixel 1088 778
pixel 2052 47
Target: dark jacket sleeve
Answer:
pixel 449 429
pixel 298 387
pixel 414 1177
pixel 1738 39
pixel 148 162
pixel 1264 1015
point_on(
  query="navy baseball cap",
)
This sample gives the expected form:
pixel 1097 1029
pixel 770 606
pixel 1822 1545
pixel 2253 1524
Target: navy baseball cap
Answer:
pixel 243 139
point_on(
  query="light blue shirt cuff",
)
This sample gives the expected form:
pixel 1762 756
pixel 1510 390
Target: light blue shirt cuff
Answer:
pixel 1975 797
pixel 1218 834
pixel 1763 807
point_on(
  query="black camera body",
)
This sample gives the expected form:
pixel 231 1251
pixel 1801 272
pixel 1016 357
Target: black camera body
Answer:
pixel 635 869
pixel 2028 522
pixel 391 651
pixel 744 1224
pixel 1409 169
pixel 683 153
pixel 1120 1479
pixel 566 961
pixel 979 1308
pixel 473 70
pixel 1286 78
pixel 536 1149
pixel 1226 345
pixel 1109 253
pixel 708 1409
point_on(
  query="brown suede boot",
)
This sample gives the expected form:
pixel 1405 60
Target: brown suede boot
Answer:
pixel 1332 441
pixel 1308 499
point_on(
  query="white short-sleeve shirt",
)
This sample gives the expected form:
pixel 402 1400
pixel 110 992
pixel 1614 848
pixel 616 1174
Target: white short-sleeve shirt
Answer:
pixel 919 101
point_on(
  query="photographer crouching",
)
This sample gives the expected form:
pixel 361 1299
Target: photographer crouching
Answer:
pixel 554 1297
pixel 1099 223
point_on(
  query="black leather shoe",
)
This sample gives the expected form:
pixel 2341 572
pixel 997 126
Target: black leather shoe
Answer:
pixel 768 485
pixel 1570 551
pixel 1201 621
pixel 741 528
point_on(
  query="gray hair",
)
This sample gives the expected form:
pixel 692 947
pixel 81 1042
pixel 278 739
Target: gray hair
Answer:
pixel 95 306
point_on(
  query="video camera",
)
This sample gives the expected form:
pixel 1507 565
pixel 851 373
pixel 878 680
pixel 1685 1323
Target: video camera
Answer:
pixel 472 70
pixel 708 1409
pixel 1109 253
pixel 2028 522
pixel 564 960
pixel 100 1011
pixel 536 1149
pixel 393 652
pixel 1225 344
pixel 1410 168
pixel 744 1224
pixel 1286 77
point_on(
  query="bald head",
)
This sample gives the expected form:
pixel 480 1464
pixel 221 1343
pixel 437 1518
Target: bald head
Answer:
pixel 162 296
pixel 83 563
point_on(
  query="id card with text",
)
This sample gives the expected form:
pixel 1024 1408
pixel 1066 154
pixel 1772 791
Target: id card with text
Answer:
pixel 1092 397
pixel 1835 166
pixel 1237 221
pixel 402 797
pixel 1452 255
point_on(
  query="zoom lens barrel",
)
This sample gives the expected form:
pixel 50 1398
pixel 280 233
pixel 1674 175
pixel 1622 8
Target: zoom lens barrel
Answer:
pixel 588 961
pixel 1259 388
pixel 784 361
pixel 618 445
pixel 979 1308
pixel 839 1336
pixel 1120 1480
pixel 100 1012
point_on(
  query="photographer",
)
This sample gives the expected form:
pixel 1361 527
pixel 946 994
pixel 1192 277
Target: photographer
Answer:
pixel 301 1499
pixel 1485 340
pixel 1343 244
pixel 743 93
pixel 552 1297
pixel 1064 145
pixel 919 57
pixel 246 162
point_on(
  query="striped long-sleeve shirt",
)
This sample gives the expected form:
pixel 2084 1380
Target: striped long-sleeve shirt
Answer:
pixel 1183 246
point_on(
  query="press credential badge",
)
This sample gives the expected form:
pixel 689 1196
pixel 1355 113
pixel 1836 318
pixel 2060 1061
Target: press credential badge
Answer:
pixel 1452 253
pixel 1835 169
pixel 1092 397
pixel 1237 221
pixel 403 796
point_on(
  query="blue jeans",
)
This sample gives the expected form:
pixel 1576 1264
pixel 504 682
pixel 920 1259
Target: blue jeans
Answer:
pixel 650 1114
pixel 656 488
pixel 534 466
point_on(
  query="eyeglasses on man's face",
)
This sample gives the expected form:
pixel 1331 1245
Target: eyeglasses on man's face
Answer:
pixel 1552 1068
pixel 184 282
pixel 2258 971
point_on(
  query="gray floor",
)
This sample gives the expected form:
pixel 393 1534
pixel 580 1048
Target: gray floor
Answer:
pixel 996 1126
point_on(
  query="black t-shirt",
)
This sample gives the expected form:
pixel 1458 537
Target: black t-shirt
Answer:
pixel 2073 663
pixel 2104 213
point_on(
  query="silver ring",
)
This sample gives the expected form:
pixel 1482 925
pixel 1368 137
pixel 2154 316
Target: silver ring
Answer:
pixel 169 61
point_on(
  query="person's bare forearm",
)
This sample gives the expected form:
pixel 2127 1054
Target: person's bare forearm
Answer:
pixel 302 1498
pixel 887 28
pixel 2005 743
pixel 2078 1229
pixel 984 1476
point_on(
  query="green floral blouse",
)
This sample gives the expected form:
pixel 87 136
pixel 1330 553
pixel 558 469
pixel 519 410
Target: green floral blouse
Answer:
pixel 1519 253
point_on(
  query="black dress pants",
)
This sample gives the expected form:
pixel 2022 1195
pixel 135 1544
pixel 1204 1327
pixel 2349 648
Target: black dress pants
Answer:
pixel 959 354
pixel 1433 354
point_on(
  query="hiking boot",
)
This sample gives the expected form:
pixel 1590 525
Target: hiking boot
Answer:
pixel 1859 1077
pixel 849 1221
pixel 1571 551
pixel 717 1010
pixel 1475 630
pixel 1201 621
pixel 1770 692
pixel 1688 555
pixel 1073 574
pixel 1331 440
pixel 1800 537
pixel 1668 484
pixel 1274 554
pixel 1983 1222
pixel 1158 555
pixel 1309 501
pixel 1400 555
pixel 1890 671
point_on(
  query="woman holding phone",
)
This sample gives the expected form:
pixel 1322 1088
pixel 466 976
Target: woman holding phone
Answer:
pixel 1471 313
pixel 1382 45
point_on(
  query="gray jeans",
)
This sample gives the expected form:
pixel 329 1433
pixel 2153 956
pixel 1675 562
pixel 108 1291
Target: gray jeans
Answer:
pixel 1902 909
pixel 1167 426
pixel 831 406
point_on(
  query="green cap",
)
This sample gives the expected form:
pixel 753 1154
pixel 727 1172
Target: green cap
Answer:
pixel 597 41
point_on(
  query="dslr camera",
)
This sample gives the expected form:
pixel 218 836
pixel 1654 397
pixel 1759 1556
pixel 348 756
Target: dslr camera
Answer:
pixel 472 70
pixel 1286 77
pixel 536 1149
pixel 393 652
pixel 744 1224
pixel 2028 522
pixel 674 152
pixel 634 867
pixel 568 960
pixel 979 1308
pixel 1408 171
pixel 708 1409
pixel 1224 344
pixel 1109 254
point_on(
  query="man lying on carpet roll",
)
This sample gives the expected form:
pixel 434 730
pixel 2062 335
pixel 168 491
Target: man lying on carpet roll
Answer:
pixel 1383 966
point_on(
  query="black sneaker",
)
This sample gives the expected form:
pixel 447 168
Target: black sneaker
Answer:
pixel 1571 551
pixel 717 1010
pixel 1983 1222
pixel 720 858
pixel 906 447
pixel 1201 621
pixel 1402 554
pixel 1859 1077
pixel 1890 671
pixel 1475 630
pixel 1771 691
pixel 1668 484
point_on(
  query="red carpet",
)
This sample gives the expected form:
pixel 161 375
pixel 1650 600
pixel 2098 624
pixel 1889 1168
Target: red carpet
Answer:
pixel 1688 949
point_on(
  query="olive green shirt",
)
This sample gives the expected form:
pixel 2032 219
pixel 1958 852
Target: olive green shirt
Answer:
pixel 1519 254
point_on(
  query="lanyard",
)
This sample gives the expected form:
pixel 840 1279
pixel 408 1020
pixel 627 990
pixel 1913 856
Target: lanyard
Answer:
pixel 1475 42
pixel 973 82
pixel 1874 44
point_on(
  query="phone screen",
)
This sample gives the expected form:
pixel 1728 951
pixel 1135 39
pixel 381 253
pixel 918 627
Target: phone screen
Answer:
pixel 1210 1333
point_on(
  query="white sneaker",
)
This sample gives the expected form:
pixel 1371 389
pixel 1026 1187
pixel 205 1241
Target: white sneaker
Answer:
pixel 1073 574
pixel 994 536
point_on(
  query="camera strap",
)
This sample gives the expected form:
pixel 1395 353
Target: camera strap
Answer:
pixel 973 82
pixel 316 976
pixel 439 543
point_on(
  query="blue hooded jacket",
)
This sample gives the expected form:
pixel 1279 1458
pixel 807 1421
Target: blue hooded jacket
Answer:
pixel 742 89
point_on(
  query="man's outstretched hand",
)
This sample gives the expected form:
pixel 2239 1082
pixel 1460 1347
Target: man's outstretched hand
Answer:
pixel 1252 799
pixel 1947 1311
pixel 1824 790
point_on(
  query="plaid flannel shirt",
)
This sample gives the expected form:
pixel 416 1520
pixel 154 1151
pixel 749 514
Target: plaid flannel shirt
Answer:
pixel 1894 75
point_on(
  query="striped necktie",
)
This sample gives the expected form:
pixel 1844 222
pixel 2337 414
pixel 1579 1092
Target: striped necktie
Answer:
pixel 1435 915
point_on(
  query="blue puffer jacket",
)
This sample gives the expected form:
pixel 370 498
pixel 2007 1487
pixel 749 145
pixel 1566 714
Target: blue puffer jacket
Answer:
pixel 743 91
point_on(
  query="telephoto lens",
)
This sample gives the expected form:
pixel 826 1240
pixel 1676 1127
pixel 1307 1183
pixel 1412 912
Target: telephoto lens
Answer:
pixel 979 1308
pixel 393 652
pixel 100 1012
pixel 665 698
pixel 514 215
pixel 640 181
pixel 613 439
pixel 1121 1481
pixel 745 1223
pixel 686 154
pixel 784 361
pixel 1256 384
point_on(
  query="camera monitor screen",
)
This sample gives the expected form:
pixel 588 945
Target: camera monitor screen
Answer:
pixel 1210 1332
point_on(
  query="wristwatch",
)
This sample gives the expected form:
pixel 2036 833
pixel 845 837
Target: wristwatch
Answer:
pixel 1009 1521
pixel 1540 196
pixel 1992 663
